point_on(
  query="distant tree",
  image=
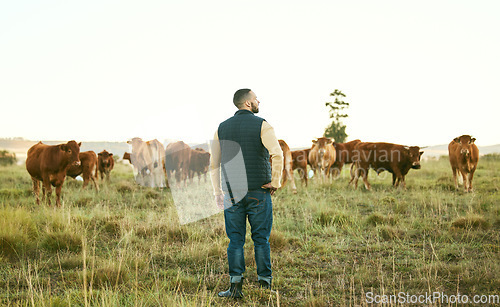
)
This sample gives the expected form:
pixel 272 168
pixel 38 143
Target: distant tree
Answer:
pixel 7 158
pixel 336 129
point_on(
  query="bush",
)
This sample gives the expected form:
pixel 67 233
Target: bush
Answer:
pixel 62 241
pixel 471 221
pixel 7 158
pixel 379 219
pixel 328 218
pixel 491 157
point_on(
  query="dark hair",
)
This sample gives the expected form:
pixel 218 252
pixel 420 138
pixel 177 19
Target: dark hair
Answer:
pixel 241 96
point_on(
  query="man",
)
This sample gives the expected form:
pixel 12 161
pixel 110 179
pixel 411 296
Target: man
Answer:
pixel 246 194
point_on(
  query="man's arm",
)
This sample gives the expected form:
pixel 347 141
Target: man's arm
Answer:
pixel 271 143
pixel 215 171
pixel 215 165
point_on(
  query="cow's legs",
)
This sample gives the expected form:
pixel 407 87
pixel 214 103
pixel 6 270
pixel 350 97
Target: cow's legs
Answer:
pixel 328 174
pixel 289 174
pixel 303 175
pixel 191 176
pixel 399 178
pixel 354 175
pixel 284 178
pixel 58 195
pixel 466 183
pixel 365 178
pixel 395 182
pixel 403 180
pixel 454 170
pixel 95 182
pixel 471 175
pixel 179 175
pixel 47 189
pixel 337 170
pixel 36 189
pixel 86 177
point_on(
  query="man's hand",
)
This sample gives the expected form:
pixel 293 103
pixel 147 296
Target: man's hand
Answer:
pixel 269 187
pixel 219 199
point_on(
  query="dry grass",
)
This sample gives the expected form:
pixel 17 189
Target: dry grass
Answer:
pixel 126 245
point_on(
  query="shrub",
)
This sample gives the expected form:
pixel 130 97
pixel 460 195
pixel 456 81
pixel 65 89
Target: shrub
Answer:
pixel 108 276
pixel 62 241
pixel 376 219
pixel 7 158
pixel 327 218
pixel 491 157
pixel 277 240
pixel 389 233
pixel 471 221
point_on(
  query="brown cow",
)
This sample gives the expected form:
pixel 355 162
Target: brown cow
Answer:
pixel 148 159
pixel 126 156
pixel 287 166
pixel 49 164
pixel 87 168
pixel 396 159
pixel 300 162
pixel 464 155
pixel 199 163
pixel 322 155
pixel 344 153
pixel 105 164
pixel 178 159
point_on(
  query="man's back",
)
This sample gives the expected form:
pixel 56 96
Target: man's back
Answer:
pixel 242 133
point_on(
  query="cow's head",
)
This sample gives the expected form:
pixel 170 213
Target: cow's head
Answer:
pixel 105 157
pixel 465 142
pixel 205 159
pixel 135 142
pixel 126 156
pixel 72 152
pixel 414 155
pixel 321 144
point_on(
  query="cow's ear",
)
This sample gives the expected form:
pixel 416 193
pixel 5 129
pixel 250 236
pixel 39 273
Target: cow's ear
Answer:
pixel 457 140
pixel 63 147
pixel 129 142
pixel 472 141
pixel 99 154
pixel 110 154
pixel 315 141
pixel 329 141
pixel 421 153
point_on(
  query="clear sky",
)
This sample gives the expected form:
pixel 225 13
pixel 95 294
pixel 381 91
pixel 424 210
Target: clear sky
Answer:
pixel 414 72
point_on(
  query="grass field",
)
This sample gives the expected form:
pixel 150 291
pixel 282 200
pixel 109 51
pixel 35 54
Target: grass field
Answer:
pixel 331 244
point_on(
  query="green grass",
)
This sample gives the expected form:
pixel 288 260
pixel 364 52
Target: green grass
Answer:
pixel 331 244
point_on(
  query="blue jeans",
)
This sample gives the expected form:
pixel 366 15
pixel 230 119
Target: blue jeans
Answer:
pixel 258 207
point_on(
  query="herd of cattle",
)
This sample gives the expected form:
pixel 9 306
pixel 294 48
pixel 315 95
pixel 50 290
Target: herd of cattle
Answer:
pixel 155 165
